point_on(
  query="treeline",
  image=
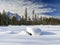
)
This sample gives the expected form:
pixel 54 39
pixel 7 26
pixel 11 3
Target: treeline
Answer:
pixel 25 20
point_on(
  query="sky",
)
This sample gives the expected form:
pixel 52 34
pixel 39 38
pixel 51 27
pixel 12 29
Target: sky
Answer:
pixel 41 7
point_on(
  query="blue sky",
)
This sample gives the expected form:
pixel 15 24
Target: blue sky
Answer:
pixel 41 7
pixel 54 4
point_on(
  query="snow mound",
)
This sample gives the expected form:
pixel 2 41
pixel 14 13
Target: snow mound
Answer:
pixel 33 31
pixel 8 32
pixel 23 33
pixel 13 32
pixel 4 32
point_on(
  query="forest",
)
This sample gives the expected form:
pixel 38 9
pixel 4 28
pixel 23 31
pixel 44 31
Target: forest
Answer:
pixel 25 20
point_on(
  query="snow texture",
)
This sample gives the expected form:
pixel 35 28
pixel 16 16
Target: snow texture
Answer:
pixel 33 31
pixel 41 35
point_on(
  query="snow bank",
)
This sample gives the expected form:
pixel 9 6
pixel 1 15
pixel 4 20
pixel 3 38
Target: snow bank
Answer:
pixel 13 32
pixel 8 32
pixel 4 32
pixel 33 31
pixel 48 38
pixel 23 33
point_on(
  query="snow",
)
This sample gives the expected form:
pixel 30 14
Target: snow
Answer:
pixel 23 33
pixel 33 31
pixel 17 35
pixel 4 32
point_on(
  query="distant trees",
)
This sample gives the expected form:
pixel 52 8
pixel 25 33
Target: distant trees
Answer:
pixel 1 19
pixel 27 20
pixel 4 19
pixel 26 14
pixel 14 20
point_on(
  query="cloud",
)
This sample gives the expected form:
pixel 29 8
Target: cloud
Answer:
pixel 18 6
pixel 45 10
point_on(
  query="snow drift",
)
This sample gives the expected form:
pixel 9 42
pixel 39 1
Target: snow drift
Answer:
pixel 23 33
pixel 33 31
pixel 5 32
pixel 17 35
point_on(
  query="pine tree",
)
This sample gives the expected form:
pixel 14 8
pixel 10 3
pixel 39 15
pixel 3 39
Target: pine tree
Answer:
pixel 29 22
pixel 41 20
pixel 33 15
pixel 14 21
pixel 0 18
pixel 22 21
pixel 4 18
pixel 26 14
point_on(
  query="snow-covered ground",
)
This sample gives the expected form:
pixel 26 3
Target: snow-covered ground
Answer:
pixel 17 35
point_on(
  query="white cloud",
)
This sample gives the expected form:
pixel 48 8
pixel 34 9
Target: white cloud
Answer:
pixel 18 6
pixel 44 10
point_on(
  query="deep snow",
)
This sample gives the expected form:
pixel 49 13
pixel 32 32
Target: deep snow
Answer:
pixel 33 31
pixel 17 35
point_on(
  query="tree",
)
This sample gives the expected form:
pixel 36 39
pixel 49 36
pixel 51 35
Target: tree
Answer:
pixel 4 18
pixel 22 21
pixel 29 22
pixel 0 18
pixel 25 14
pixel 14 21
pixel 33 15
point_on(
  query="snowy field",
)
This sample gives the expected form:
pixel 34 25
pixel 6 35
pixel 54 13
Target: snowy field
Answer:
pixel 17 35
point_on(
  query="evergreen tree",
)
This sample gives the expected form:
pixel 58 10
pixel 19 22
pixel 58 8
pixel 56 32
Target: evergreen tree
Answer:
pixel 33 15
pixel 29 22
pixel 25 14
pixel 4 18
pixel 14 21
pixel 0 18
pixel 22 21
